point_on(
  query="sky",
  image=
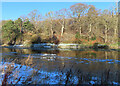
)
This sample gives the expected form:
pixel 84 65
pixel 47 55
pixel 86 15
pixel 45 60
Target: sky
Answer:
pixel 60 0
pixel 13 10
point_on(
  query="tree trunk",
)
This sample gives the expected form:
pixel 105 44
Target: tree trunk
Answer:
pixel 51 32
pixel 20 28
pixel 90 31
pixel 62 29
pixel 80 31
pixel 115 35
pixel 115 31
pixel 51 29
pixel 106 33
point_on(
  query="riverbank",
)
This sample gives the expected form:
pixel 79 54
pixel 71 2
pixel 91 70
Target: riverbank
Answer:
pixel 70 46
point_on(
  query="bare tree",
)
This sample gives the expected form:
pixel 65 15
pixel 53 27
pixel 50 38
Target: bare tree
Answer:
pixel 35 17
pixel 78 11
pixel 61 15
pixel 92 15
pixel 51 18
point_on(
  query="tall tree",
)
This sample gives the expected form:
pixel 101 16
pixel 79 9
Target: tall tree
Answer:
pixel 78 11
pixel 10 32
pixel 92 15
pixel 18 24
pixel 105 18
pixel 115 20
pixel 28 26
pixel 51 17
pixel 61 16
pixel 35 17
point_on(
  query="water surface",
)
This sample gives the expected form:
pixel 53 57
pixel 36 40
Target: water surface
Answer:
pixel 92 65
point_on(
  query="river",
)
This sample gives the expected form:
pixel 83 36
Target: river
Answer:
pixel 65 66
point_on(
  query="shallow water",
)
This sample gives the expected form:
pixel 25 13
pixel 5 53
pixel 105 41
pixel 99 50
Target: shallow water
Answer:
pixel 92 65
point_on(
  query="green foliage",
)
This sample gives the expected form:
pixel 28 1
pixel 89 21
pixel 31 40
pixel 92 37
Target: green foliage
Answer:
pixel 77 35
pixel 18 23
pixel 118 43
pixel 9 30
pixel 28 26
pixel 93 38
pixel 12 30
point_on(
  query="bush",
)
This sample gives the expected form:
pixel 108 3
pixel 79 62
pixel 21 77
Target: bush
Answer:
pixel 100 46
pixel 77 36
pixel 93 38
pixel 78 41
pixel 35 39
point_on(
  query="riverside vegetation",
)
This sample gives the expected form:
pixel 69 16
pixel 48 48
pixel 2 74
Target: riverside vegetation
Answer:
pixel 81 23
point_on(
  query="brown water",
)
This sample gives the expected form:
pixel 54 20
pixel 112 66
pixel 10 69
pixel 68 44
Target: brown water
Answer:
pixel 90 63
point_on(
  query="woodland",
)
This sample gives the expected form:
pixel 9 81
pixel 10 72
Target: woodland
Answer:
pixel 80 23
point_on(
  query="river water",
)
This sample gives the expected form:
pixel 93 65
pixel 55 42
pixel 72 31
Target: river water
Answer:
pixel 65 66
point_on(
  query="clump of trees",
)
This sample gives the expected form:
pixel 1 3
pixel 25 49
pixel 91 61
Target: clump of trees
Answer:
pixel 77 23
pixel 12 30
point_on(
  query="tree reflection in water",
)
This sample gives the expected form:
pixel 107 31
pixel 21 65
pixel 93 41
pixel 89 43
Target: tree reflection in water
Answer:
pixel 68 67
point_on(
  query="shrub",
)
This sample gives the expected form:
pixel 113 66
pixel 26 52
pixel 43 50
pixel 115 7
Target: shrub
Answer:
pixel 77 36
pixel 93 38
pixel 35 39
